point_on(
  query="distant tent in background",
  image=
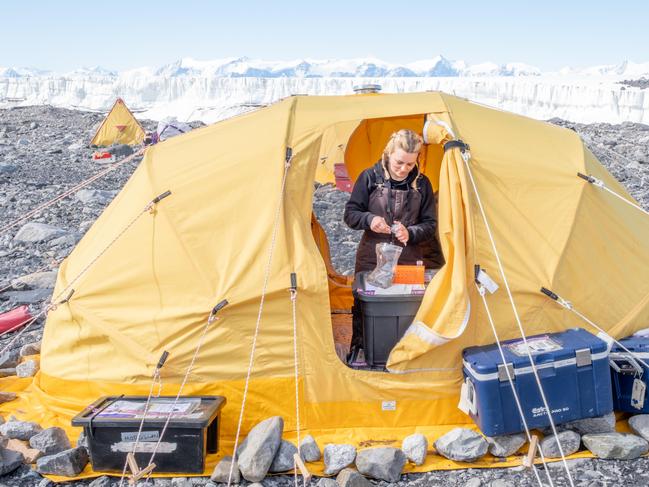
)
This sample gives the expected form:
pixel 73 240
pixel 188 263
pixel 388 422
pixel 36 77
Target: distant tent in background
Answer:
pixel 119 127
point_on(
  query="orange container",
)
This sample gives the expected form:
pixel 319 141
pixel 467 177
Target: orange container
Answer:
pixel 409 274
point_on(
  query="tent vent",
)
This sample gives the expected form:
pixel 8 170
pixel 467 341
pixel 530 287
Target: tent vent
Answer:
pixel 363 89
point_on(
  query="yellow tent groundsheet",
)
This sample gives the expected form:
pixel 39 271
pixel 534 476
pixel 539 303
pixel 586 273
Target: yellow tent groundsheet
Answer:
pixel 119 127
pixel 239 203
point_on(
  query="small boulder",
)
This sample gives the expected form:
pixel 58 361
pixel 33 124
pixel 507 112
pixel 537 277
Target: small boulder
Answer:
pixel 30 349
pixel 102 481
pixel 415 447
pixel 283 460
pixel 68 463
pixel 309 450
pixel 82 440
pixel 259 448
pixel 570 442
pixel 9 359
pixel 30 455
pixel 50 441
pixel 639 424
pixel 38 232
pixel 120 150
pixel 221 472
pixel 337 457
pixel 9 461
pixel 7 372
pixel 384 463
pixel 20 430
pixel 27 368
pixel 34 296
pixel 617 446
pixel 36 280
pixel 95 196
pixel 349 477
pixel 326 482
pixel 586 426
pixel 462 445
pixel 6 397
pixel 505 445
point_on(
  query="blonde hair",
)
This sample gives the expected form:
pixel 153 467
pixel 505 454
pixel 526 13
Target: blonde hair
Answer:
pixel 406 140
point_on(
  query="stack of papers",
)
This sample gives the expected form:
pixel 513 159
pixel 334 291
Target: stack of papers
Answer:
pixel 158 408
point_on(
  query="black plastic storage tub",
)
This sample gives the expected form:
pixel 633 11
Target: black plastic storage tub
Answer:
pixel 385 319
pixel 111 432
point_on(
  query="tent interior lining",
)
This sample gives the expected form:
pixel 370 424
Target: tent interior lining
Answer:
pixel 359 144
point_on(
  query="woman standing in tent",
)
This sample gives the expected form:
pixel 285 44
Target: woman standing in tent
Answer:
pixel 392 201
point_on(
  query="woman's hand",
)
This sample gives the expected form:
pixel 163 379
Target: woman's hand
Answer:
pixel 401 233
pixel 378 225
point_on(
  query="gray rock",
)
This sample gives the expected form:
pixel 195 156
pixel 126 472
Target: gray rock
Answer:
pixel 9 359
pixel 27 368
pixel 462 445
pixel 283 460
pixel 8 168
pixel 7 372
pixel 475 482
pixel 256 484
pixel 505 445
pixel 20 430
pixel 6 397
pixel 337 457
pixel 68 463
pixel 600 424
pixel 29 297
pixel 349 477
pixel 9 460
pixel 82 440
pixel 38 232
pixel 65 241
pixel 259 448
pixel 500 483
pixel 570 441
pixel 309 450
pixel 36 280
pixel 46 483
pixel 33 125
pixel 22 141
pixel 221 472
pixel 618 446
pixel 92 196
pixel 120 150
pixel 326 482
pixel 30 349
pixel 384 463
pixel 415 447
pixel 102 481
pixel 639 424
pixel 50 441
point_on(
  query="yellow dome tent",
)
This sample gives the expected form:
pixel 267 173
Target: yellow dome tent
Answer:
pixel 119 127
pixel 145 281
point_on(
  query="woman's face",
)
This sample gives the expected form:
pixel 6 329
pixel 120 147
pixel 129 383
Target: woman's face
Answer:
pixel 401 163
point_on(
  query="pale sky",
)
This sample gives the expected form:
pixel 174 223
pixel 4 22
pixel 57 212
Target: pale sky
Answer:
pixel 117 34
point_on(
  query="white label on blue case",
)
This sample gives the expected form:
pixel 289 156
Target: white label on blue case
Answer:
pixel 535 346
pixel 638 393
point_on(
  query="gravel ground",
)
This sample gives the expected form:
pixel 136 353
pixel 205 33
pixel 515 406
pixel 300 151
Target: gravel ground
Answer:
pixel 43 152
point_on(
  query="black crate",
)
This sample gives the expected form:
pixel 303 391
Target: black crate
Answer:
pixel 385 319
pixel 182 449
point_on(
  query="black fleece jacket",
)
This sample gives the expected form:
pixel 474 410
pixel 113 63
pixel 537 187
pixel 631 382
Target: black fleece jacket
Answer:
pixel 358 217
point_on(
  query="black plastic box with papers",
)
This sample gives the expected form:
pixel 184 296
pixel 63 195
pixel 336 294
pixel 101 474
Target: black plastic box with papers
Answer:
pixel 111 426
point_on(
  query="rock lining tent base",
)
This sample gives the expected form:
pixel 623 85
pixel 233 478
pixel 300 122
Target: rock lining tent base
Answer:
pixel 119 127
pixel 237 220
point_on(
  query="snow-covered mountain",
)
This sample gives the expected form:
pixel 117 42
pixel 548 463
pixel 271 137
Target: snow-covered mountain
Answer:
pixel 211 90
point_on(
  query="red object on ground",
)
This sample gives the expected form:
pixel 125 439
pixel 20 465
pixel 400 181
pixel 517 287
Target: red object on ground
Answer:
pixel 343 181
pixel 15 318
pixel 101 155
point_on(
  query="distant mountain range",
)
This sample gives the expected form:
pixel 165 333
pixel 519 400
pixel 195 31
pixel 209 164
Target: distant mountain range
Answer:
pixel 438 66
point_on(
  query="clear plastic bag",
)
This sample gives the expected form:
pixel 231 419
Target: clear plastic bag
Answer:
pixel 387 256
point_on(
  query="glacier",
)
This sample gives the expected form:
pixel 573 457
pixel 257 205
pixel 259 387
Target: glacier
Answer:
pixel 209 91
